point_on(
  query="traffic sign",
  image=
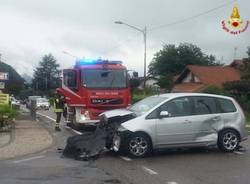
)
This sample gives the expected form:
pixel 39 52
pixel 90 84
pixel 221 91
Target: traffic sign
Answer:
pixel 4 76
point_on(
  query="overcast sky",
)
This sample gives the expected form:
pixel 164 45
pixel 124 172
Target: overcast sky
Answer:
pixel 31 28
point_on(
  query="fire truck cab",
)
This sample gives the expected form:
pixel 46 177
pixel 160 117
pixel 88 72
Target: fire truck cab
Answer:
pixel 92 87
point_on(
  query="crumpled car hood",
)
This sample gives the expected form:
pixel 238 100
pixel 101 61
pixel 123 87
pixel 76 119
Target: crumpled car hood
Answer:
pixel 90 145
pixel 116 113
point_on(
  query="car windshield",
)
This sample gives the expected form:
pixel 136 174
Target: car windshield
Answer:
pixel 146 104
pixel 100 78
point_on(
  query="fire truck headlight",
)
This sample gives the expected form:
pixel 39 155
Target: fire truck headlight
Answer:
pixel 85 116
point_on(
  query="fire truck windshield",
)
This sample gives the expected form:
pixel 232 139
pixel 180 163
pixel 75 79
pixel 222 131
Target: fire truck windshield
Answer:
pixel 103 78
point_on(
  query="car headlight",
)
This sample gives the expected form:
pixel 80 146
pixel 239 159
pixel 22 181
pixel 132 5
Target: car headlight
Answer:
pixel 116 142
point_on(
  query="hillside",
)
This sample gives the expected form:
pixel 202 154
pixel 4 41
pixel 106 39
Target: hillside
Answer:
pixel 15 83
pixel 27 78
pixel 13 75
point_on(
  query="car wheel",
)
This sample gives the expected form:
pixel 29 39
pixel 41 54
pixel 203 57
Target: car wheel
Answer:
pixel 138 145
pixel 228 140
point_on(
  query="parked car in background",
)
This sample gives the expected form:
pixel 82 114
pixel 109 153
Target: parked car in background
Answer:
pixel 28 103
pixel 15 103
pixel 42 103
pixel 178 120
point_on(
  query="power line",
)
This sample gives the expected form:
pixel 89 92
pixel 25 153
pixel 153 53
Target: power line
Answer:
pixel 176 22
pixel 192 17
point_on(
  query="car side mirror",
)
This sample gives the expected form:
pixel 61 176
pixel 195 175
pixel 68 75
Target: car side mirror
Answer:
pixel 164 114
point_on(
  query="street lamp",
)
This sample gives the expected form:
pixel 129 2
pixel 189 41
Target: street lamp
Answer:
pixel 144 32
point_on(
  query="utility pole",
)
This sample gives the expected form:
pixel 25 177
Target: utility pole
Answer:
pixel 145 55
pixel 144 32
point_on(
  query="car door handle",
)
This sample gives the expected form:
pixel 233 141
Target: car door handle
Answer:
pixel 187 121
pixel 217 118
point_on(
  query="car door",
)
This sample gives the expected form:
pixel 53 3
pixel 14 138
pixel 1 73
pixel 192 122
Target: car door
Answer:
pixel 206 119
pixel 177 127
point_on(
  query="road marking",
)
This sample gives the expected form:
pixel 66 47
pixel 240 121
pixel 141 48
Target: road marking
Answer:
pixel 77 132
pixel 125 158
pixel 46 116
pixel 28 159
pixel 150 171
pixel 248 126
pixel 238 152
pixel 172 182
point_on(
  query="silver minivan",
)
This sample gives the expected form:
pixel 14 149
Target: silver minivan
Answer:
pixel 178 120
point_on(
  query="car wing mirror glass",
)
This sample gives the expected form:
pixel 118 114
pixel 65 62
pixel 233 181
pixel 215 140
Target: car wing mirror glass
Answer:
pixel 164 114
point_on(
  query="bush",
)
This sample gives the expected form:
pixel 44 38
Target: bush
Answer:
pixel 141 94
pixel 6 110
pixel 6 115
pixel 244 101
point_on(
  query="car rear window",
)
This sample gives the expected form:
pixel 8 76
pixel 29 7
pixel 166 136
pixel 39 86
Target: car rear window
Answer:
pixel 226 106
pixel 204 105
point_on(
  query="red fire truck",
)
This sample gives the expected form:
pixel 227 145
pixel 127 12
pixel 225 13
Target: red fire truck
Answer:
pixel 92 87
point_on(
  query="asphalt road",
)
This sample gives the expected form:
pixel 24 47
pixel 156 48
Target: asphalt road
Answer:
pixel 196 166
pixel 47 167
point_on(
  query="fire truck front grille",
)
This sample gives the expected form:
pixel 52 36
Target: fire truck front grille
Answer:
pixel 114 101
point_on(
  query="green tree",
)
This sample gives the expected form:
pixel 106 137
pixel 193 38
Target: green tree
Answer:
pixel 47 75
pixel 134 83
pixel 241 89
pixel 165 81
pixel 171 60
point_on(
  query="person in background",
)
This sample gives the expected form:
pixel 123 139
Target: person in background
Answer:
pixel 58 109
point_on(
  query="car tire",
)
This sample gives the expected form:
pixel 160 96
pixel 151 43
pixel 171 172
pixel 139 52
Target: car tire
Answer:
pixel 138 145
pixel 228 140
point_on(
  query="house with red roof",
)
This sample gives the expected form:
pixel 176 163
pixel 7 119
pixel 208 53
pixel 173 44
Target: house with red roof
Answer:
pixel 195 78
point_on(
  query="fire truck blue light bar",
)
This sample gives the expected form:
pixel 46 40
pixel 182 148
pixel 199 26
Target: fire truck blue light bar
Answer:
pixel 80 62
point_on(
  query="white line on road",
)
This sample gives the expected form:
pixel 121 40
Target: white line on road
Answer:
pixel 46 116
pixel 150 171
pixel 28 159
pixel 77 132
pixel 172 182
pixel 238 153
pixel 125 158
pixel 248 126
